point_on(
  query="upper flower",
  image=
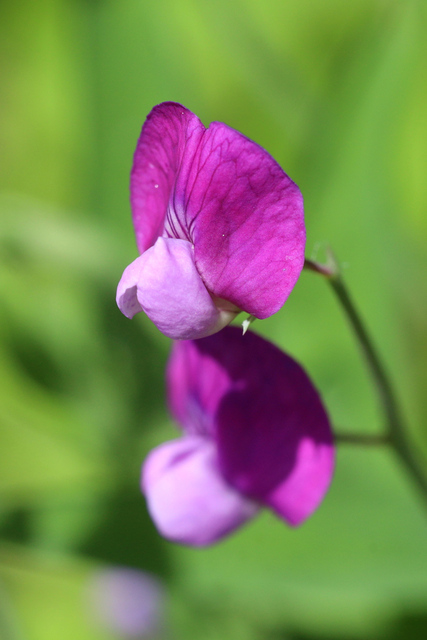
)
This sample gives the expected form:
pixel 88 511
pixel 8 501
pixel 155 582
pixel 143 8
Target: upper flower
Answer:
pixel 219 224
pixel 255 433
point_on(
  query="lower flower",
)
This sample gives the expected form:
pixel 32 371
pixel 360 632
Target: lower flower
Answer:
pixel 255 434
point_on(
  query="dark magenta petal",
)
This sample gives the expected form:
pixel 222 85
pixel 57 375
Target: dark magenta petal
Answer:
pixel 187 496
pixel 167 144
pixel 271 431
pixel 247 222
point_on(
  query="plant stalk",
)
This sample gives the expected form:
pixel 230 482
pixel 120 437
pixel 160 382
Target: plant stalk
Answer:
pixel 395 428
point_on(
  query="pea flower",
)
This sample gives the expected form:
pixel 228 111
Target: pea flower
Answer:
pixel 255 434
pixel 219 226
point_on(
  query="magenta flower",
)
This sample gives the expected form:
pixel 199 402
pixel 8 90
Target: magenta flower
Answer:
pixel 219 225
pixel 255 434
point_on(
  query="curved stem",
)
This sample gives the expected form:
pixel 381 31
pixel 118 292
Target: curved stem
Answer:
pixel 396 431
pixel 363 439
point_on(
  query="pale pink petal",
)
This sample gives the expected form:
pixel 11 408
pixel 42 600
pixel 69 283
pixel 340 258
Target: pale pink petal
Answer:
pixel 187 497
pixel 170 291
pixel 127 290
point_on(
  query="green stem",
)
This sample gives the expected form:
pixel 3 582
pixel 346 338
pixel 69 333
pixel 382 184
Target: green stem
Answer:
pixel 363 439
pixel 396 430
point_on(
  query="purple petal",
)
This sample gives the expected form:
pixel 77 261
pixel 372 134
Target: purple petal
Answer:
pixel 187 496
pixel 196 384
pixel 273 435
pixel 248 221
pixel 168 140
pixel 164 283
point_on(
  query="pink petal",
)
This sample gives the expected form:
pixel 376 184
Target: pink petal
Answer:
pixel 273 436
pixel 303 490
pixel 187 497
pixel 248 222
pixel 168 140
pixel 164 283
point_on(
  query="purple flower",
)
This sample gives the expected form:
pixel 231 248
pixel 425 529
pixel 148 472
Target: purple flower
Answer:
pixel 127 601
pixel 219 225
pixel 255 434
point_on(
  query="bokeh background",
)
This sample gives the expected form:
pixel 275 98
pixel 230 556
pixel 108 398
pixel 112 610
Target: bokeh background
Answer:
pixel 336 91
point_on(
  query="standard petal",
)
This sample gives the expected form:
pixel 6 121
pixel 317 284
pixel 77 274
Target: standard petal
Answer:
pixel 273 435
pixel 246 219
pixel 171 292
pixel 167 144
pixel 187 497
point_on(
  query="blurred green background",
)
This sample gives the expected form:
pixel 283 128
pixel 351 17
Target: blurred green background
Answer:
pixel 336 91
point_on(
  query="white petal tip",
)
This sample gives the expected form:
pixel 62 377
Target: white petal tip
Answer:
pixel 247 323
